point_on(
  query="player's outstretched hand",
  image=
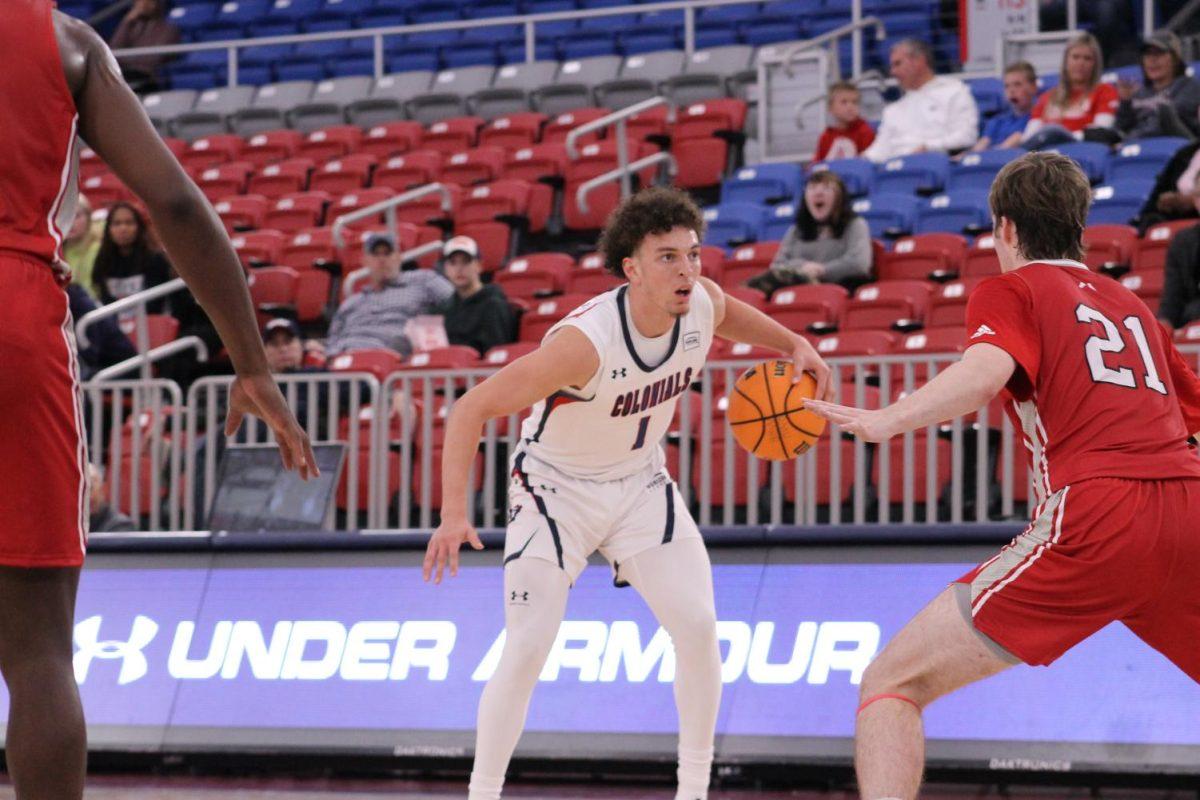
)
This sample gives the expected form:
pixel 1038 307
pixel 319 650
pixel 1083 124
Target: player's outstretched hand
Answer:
pixel 444 546
pixel 870 426
pixel 259 395
pixel 806 359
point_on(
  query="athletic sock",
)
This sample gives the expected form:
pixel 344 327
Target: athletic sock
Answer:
pixel 695 767
pixel 484 788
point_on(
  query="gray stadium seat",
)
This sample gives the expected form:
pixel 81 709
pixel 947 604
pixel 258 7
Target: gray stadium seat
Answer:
pixel 527 76
pixel 462 82
pixel 447 97
pixel 492 103
pixel 720 60
pixel 639 78
pixel 387 98
pixel 557 98
pixel 509 93
pixel 704 73
pixel 429 108
pixel 588 71
pixel 328 102
pixel 266 111
pixel 207 116
pixel 162 107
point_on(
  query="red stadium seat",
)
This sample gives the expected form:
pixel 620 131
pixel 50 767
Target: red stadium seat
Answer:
pixel 503 354
pixel 1150 252
pixel 259 248
pixel 747 261
pixel 452 135
pixel 513 131
pixel 455 356
pixel 356 201
pixel 298 211
pixel 737 493
pixel 511 201
pixel 819 461
pixel 242 212
pixel 273 286
pixel 494 240
pixel 981 260
pixel 276 180
pixel 1108 244
pixel 410 170
pixel 856 343
pixel 380 363
pixel 161 329
pixel 210 151
pixel 90 164
pixel 934 340
pixel 271 146
pixel 700 140
pixel 544 161
pixel 536 274
pixel 590 276
pixel 917 466
pixel 542 316
pixel 596 159
pixel 558 128
pixel 1146 285
pixel 752 297
pixel 342 175
pixel 712 263
pixel 332 142
pixel 308 249
pixel 651 122
pixel 919 257
pixel 428 210
pixel 1188 334
pixel 224 180
pixel 391 139
pixel 948 308
pixel 105 189
pixel 312 294
pixel 796 307
pixel 479 165
pixel 878 305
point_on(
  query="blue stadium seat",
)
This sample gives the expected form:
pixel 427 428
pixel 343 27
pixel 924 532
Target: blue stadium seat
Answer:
pixel 888 214
pixel 609 25
pixel 193 16
pixel 513 52
pixel 556 28
pixel 1117 204
pixel 922 172
pixel 649 40
pixel 715 35
pixel 302 68
pixel 353 64
pixel 774 29
pixel 344 10
pixel 469 54
pixel 857 173
pixel 777 222
pixel 292 10
pixel 726 15
pixel 978 170
pixel 194 76
pixel 1092 157
pixel 241 12
pixel 383 18
pixel 964 211
pixel 988 94
pixel 732 224
pixel 279 27
pixel 1142 160
pixel 419 59
pixel 586 45
pixel 493 8
pixel 764 183
pixel 432 39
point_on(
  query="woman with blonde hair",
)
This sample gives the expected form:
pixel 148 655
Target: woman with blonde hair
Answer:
pixel 1081 105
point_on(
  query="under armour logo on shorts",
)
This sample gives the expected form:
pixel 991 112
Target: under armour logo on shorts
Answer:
pixel 522 596
pixel 133 661
pixel 618 373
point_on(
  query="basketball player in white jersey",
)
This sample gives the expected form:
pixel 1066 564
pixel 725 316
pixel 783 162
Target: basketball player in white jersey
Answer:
pixel 589 472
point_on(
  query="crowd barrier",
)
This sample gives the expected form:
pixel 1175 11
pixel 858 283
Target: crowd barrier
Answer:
pixel 162 454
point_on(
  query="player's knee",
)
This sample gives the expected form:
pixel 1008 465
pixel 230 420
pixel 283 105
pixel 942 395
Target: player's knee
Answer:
pixel 882 677
pixel 695 629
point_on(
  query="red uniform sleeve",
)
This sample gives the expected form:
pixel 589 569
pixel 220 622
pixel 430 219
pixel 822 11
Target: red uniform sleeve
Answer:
pixel 864 135
pixel 1104 100
pixel 1000 313
pixel 1187 387
pixel 823 144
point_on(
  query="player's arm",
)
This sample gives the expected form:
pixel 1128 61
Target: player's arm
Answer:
pixel 1187 388
pixel 112 122
pixel 568 359
pixel 960 389
pixel 741 322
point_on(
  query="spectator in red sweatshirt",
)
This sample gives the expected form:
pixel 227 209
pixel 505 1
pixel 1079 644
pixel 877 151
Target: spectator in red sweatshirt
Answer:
pixel 849 134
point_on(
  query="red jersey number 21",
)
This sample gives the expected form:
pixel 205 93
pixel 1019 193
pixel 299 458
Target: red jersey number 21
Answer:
pixel 1113 342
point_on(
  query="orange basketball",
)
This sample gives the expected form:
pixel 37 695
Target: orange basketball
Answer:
pixel 765 412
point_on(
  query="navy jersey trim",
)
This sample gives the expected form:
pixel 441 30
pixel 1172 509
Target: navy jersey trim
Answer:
pixel 642 365
pixel 521 552
pixel 669 532
pixel 555 400
pixel 541 506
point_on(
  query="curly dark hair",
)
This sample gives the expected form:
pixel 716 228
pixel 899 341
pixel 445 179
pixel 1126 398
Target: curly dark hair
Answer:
pixel 655 210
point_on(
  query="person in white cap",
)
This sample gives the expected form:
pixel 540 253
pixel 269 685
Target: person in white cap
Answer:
pixel 478 315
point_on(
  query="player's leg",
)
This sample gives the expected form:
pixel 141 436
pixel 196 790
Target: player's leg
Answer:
pixel 535 597
pixel 937 652
pixel 676 581
pixel 46 744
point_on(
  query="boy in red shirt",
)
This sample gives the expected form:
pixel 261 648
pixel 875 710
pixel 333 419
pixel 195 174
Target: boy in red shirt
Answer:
pixel 849 134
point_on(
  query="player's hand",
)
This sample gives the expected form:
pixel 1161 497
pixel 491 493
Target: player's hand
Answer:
pixel 260 396
pixel 870 426
pixel 444 545
pixel 806 359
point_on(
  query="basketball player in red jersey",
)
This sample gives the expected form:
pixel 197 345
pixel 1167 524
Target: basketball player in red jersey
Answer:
pixel 1106 405
pixel 59 80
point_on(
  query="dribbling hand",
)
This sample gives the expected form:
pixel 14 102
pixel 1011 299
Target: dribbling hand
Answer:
pixel 444 545
pixel 806 359
pixel 259 395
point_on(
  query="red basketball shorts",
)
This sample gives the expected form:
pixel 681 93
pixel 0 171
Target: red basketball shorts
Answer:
pixel 43 453
pixel 1097 552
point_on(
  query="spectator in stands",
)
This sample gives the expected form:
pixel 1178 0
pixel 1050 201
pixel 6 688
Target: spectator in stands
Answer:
pixel 81 244
pixel 1180 302
pixel 1007 128
pixel 1080 107
pixel 478 314
pixel 126 263
pixel 146 25
pixel 1176 194
pixel 374 318
pixel 935 114
pixel 828 243
pixel 849 134
pixel 107 345
pixel 104 518
pixel 1167 101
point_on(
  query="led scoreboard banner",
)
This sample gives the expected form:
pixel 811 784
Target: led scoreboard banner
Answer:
pixel 351 652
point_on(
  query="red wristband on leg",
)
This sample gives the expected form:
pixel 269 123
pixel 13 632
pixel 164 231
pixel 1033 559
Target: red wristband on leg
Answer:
pixel 879 697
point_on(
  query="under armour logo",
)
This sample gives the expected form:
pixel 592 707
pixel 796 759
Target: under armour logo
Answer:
pixel 522 596
pixel 133 661
pixel 618 373
pixel 983 330
pixel 544 488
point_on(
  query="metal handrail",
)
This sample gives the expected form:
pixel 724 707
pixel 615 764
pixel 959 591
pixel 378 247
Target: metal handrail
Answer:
pixel 388 208
pixel 107 13
pixel 623 173
pixel 791 53
pixel 609 119
pixel 132 302
pixel 149 357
